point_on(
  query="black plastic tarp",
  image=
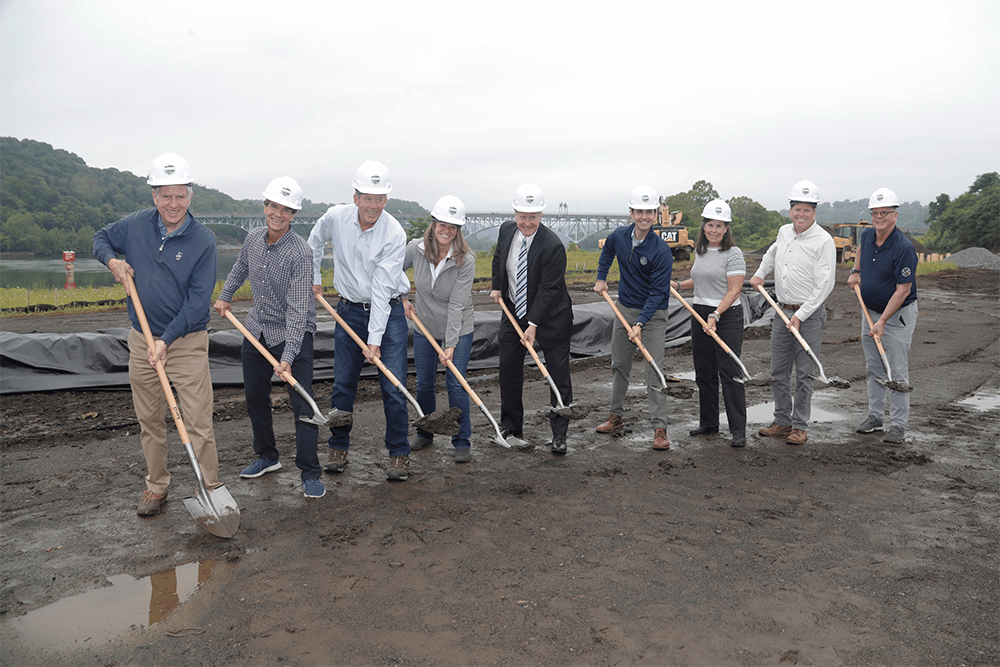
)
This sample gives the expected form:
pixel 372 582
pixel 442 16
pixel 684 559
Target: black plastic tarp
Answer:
pixel 99 360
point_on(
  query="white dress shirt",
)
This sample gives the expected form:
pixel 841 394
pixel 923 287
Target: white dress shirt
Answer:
pixel 367 265
pixel 512 256
pixel 804 267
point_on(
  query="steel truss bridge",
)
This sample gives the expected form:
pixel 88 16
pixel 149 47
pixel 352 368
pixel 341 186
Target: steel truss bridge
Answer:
pixel 572 228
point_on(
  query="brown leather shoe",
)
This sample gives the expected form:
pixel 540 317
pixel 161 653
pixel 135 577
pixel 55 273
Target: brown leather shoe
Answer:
pixel 150 503
pixel 660 440
pixel 776 430
pixel 797 437
pixel 613 426
pixel 337 461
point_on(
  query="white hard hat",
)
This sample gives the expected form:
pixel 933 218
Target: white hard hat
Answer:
pixel 169 169
pixel 285 191
pixel 372 178
pixel 805 191
pixel 883 197
pixel 529 199
pixel 644 198
pixel 449 209
pixel 718 210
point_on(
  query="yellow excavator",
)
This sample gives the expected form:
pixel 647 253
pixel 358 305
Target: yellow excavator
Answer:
pixel 846 237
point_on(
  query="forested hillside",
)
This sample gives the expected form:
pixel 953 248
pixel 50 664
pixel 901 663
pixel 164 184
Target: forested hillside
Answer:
pixel 912 215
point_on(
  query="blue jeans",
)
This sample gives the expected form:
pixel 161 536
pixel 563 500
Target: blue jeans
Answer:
pixel 426 361
pixel 347 362
pixel 257 374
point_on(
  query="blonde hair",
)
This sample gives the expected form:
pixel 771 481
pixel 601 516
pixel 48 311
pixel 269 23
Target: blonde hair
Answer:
pixel 460 248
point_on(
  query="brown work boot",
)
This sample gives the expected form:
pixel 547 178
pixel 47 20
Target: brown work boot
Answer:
pixel 613 426
pixel 150 503
pixel 337 461
pixel 660 440
pixel 399 469
pixel 776 430
pixel 797 437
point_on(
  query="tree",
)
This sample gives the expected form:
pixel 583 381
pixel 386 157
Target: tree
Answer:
pixel 701 193
pixel 416 228
pixel 968 221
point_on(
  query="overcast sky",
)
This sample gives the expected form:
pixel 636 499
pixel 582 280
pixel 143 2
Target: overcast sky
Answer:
pixel 587 100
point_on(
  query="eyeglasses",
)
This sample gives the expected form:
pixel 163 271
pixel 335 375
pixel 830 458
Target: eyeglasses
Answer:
pixel 881 214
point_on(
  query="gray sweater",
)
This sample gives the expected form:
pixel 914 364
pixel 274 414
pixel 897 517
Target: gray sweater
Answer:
pixel 446 308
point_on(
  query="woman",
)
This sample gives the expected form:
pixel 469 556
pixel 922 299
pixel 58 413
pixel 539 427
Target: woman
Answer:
pixel 443 270
pixel 717 277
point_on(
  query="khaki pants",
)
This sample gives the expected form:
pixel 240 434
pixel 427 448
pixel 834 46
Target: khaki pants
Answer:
pixel 187 368
pixel 654 335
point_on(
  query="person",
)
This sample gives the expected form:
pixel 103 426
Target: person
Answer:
pixel 369 247
pixel 886 269
pixel 529 274
pixel 278 263
pixel 177 259
pixel 443 270
pixel 804 259
pixel 645 264
pixel 717 278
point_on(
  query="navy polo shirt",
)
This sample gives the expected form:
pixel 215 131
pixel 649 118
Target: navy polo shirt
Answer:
pixel 882 268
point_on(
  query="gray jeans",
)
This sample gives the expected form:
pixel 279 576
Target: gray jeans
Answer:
pixel 622 350
pixel 787 351
pixel 896 341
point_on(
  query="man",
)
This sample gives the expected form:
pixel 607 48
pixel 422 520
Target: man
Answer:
pixel 645 264
pixel 369 247
pixel 177 258
pixel 886 270
pixel 529 273
pixel 804 261
pixel 278 263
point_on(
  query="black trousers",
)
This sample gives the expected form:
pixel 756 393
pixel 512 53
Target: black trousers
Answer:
pixel 712 365
pixel 512 354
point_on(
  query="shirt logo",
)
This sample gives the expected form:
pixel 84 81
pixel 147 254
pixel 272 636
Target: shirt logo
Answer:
pixel 643 261
pixel 905 272
pixel 178 256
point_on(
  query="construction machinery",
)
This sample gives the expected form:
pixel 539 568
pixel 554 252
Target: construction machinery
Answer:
pixel 668 226
pixel 846 238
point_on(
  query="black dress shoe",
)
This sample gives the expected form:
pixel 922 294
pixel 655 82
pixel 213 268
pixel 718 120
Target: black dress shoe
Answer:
pixel 739 440
pixel 559 444
pixel 704 430
pixel 506 433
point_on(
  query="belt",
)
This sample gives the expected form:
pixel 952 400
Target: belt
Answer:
pixel 367 305
pixel 789 306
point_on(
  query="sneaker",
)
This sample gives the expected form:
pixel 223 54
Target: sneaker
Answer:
pixel 336 462
pixel 421 440
pixel 399 469
pixel 313 488
pixel 870 425
pixel 660 440
pixel 259 467
pixel 613 426
pixel 894 435
pixel 776 430
pixel 558 444
pixel 150 503
pixel 797 437
pixel 463 455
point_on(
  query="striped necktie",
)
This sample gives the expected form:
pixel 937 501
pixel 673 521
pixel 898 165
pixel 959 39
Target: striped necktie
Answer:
pixel 521 286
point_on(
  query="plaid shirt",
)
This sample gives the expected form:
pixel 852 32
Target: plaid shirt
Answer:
pixel 284 308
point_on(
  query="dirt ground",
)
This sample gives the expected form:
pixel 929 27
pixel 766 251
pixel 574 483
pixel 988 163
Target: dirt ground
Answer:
pixel 842 551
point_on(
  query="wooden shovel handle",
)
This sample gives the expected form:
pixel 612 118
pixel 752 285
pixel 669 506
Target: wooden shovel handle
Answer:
pixel 868 316
pixel 286 376
pixel 357 339
pixel 628 327
pixel 160 371
pixel 517 328
pixel 451 366
pixel 777 309
pixel 701 321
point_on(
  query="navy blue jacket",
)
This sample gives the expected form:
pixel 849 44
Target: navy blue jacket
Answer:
pixel 174 277
pixel 645 270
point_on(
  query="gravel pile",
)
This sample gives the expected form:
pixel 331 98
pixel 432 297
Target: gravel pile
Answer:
pixel 975 258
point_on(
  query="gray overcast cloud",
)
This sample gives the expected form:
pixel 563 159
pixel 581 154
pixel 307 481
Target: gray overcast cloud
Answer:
pixel 473 100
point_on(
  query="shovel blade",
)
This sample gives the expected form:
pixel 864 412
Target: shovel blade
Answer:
pixel 317 419
pixel 217 513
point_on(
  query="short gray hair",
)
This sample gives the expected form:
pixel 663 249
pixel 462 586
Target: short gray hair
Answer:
pixel 156 189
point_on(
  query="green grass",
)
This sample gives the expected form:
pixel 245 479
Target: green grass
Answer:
pixel 926 268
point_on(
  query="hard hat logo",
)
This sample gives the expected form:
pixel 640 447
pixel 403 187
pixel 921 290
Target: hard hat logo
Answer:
pixel 453 210
pixel 286 192
pixel 645 199
pixel 879 197
pixel 375 179
pixel 718 209
pixel 169 169
pixel 530 199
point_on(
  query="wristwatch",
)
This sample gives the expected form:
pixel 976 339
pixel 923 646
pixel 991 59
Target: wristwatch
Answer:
pixel 638 324
pixel 855 270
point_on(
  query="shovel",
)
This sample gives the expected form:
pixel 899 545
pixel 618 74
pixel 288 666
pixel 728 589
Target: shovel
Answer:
pixel 895 385
pixel 746 376
pixel 561 409
pixel 840 383
pixel 642 348
pixel 317 417
pixel 214 510
pixel 441 422
pixel 508 442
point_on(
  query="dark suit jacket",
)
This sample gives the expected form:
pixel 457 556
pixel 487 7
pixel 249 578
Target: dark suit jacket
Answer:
pixel 549 305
